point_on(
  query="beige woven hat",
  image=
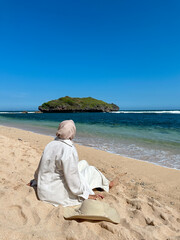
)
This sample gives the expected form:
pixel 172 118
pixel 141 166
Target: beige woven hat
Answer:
pixel 92 210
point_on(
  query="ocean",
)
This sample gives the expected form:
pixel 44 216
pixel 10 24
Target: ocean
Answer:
pixel 152 136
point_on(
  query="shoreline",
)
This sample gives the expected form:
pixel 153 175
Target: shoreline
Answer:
pixel 81 147
pixel 78 143
pixel 147 197
pixel 156 164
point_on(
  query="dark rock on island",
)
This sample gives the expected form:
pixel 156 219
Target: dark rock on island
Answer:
pixel 68 104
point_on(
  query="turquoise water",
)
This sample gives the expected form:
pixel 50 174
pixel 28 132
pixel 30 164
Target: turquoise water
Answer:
pixel 152 136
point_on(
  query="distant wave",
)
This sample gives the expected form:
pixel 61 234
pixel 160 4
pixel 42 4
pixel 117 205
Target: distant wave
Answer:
pixel 9 112
pixel 156 112
pixel 14 112
pixel 146 111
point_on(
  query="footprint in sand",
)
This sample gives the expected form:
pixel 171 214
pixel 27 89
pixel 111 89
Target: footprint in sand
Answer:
pixel 35 216
pixel 4 162
pixel 2 193
pixel 16 215
pixel 134 203
pixel 27 203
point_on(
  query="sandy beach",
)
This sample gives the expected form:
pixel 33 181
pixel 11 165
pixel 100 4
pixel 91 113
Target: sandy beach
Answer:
pixel 147 197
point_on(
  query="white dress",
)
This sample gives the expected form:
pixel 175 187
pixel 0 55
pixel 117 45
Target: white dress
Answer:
pixel 63 179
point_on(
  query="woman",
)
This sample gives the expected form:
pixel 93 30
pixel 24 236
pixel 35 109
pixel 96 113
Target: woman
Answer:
pixel 61 177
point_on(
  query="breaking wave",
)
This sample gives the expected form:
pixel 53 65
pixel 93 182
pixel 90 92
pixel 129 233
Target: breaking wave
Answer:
pixel 151 112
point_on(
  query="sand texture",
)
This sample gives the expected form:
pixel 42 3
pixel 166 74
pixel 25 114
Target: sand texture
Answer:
pixel 147 197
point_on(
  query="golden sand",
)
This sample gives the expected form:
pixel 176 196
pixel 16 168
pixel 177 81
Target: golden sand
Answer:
pixel 147 197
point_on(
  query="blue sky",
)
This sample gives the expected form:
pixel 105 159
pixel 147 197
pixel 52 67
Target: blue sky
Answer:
pixel 125 51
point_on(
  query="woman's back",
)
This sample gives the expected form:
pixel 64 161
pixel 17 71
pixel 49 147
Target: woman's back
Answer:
pixel 51 182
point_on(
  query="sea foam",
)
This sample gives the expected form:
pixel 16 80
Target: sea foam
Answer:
pixel 151 112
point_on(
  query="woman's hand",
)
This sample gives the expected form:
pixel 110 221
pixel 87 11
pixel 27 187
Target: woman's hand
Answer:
pixel 96 196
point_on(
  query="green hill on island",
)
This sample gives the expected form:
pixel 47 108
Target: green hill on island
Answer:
pixel 68 104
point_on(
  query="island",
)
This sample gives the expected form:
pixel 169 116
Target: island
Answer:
pixel 69 104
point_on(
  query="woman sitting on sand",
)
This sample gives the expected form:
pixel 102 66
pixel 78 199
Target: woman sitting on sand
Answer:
pixel 61 177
